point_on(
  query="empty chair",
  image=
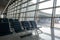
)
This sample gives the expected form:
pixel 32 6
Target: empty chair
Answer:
pixel 5 20
pixel 33 24
pixel 25 25
pixel 17 23
pixel 4 29
pixel 15 20
pixel 17 26
pixel 11 22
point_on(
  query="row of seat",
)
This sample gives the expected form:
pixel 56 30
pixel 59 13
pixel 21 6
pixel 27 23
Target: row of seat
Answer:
pixel 19 26
pixel 22 25
pixel 4 20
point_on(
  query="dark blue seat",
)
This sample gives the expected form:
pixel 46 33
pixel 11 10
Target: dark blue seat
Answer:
pixel 15 20
pixel 11 22
pixel 17 26
pixel 33 24
pixel 5 20
pixel 25 25
pixel 4 29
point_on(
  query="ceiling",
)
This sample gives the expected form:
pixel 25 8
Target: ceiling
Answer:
pixel 3 2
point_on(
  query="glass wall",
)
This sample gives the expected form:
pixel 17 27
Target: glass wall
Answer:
pixel 46 13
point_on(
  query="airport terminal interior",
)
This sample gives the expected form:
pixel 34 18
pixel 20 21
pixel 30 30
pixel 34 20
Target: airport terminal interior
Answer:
pixel 29 19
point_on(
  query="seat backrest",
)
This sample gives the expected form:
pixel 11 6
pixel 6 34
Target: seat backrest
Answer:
pixel 4 29
pixel 33 24
pixel 17 26
pixel 25 25
pixel 10 20
pixel 5 20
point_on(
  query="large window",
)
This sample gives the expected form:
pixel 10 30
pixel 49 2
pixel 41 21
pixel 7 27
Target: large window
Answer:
pixel 46 13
